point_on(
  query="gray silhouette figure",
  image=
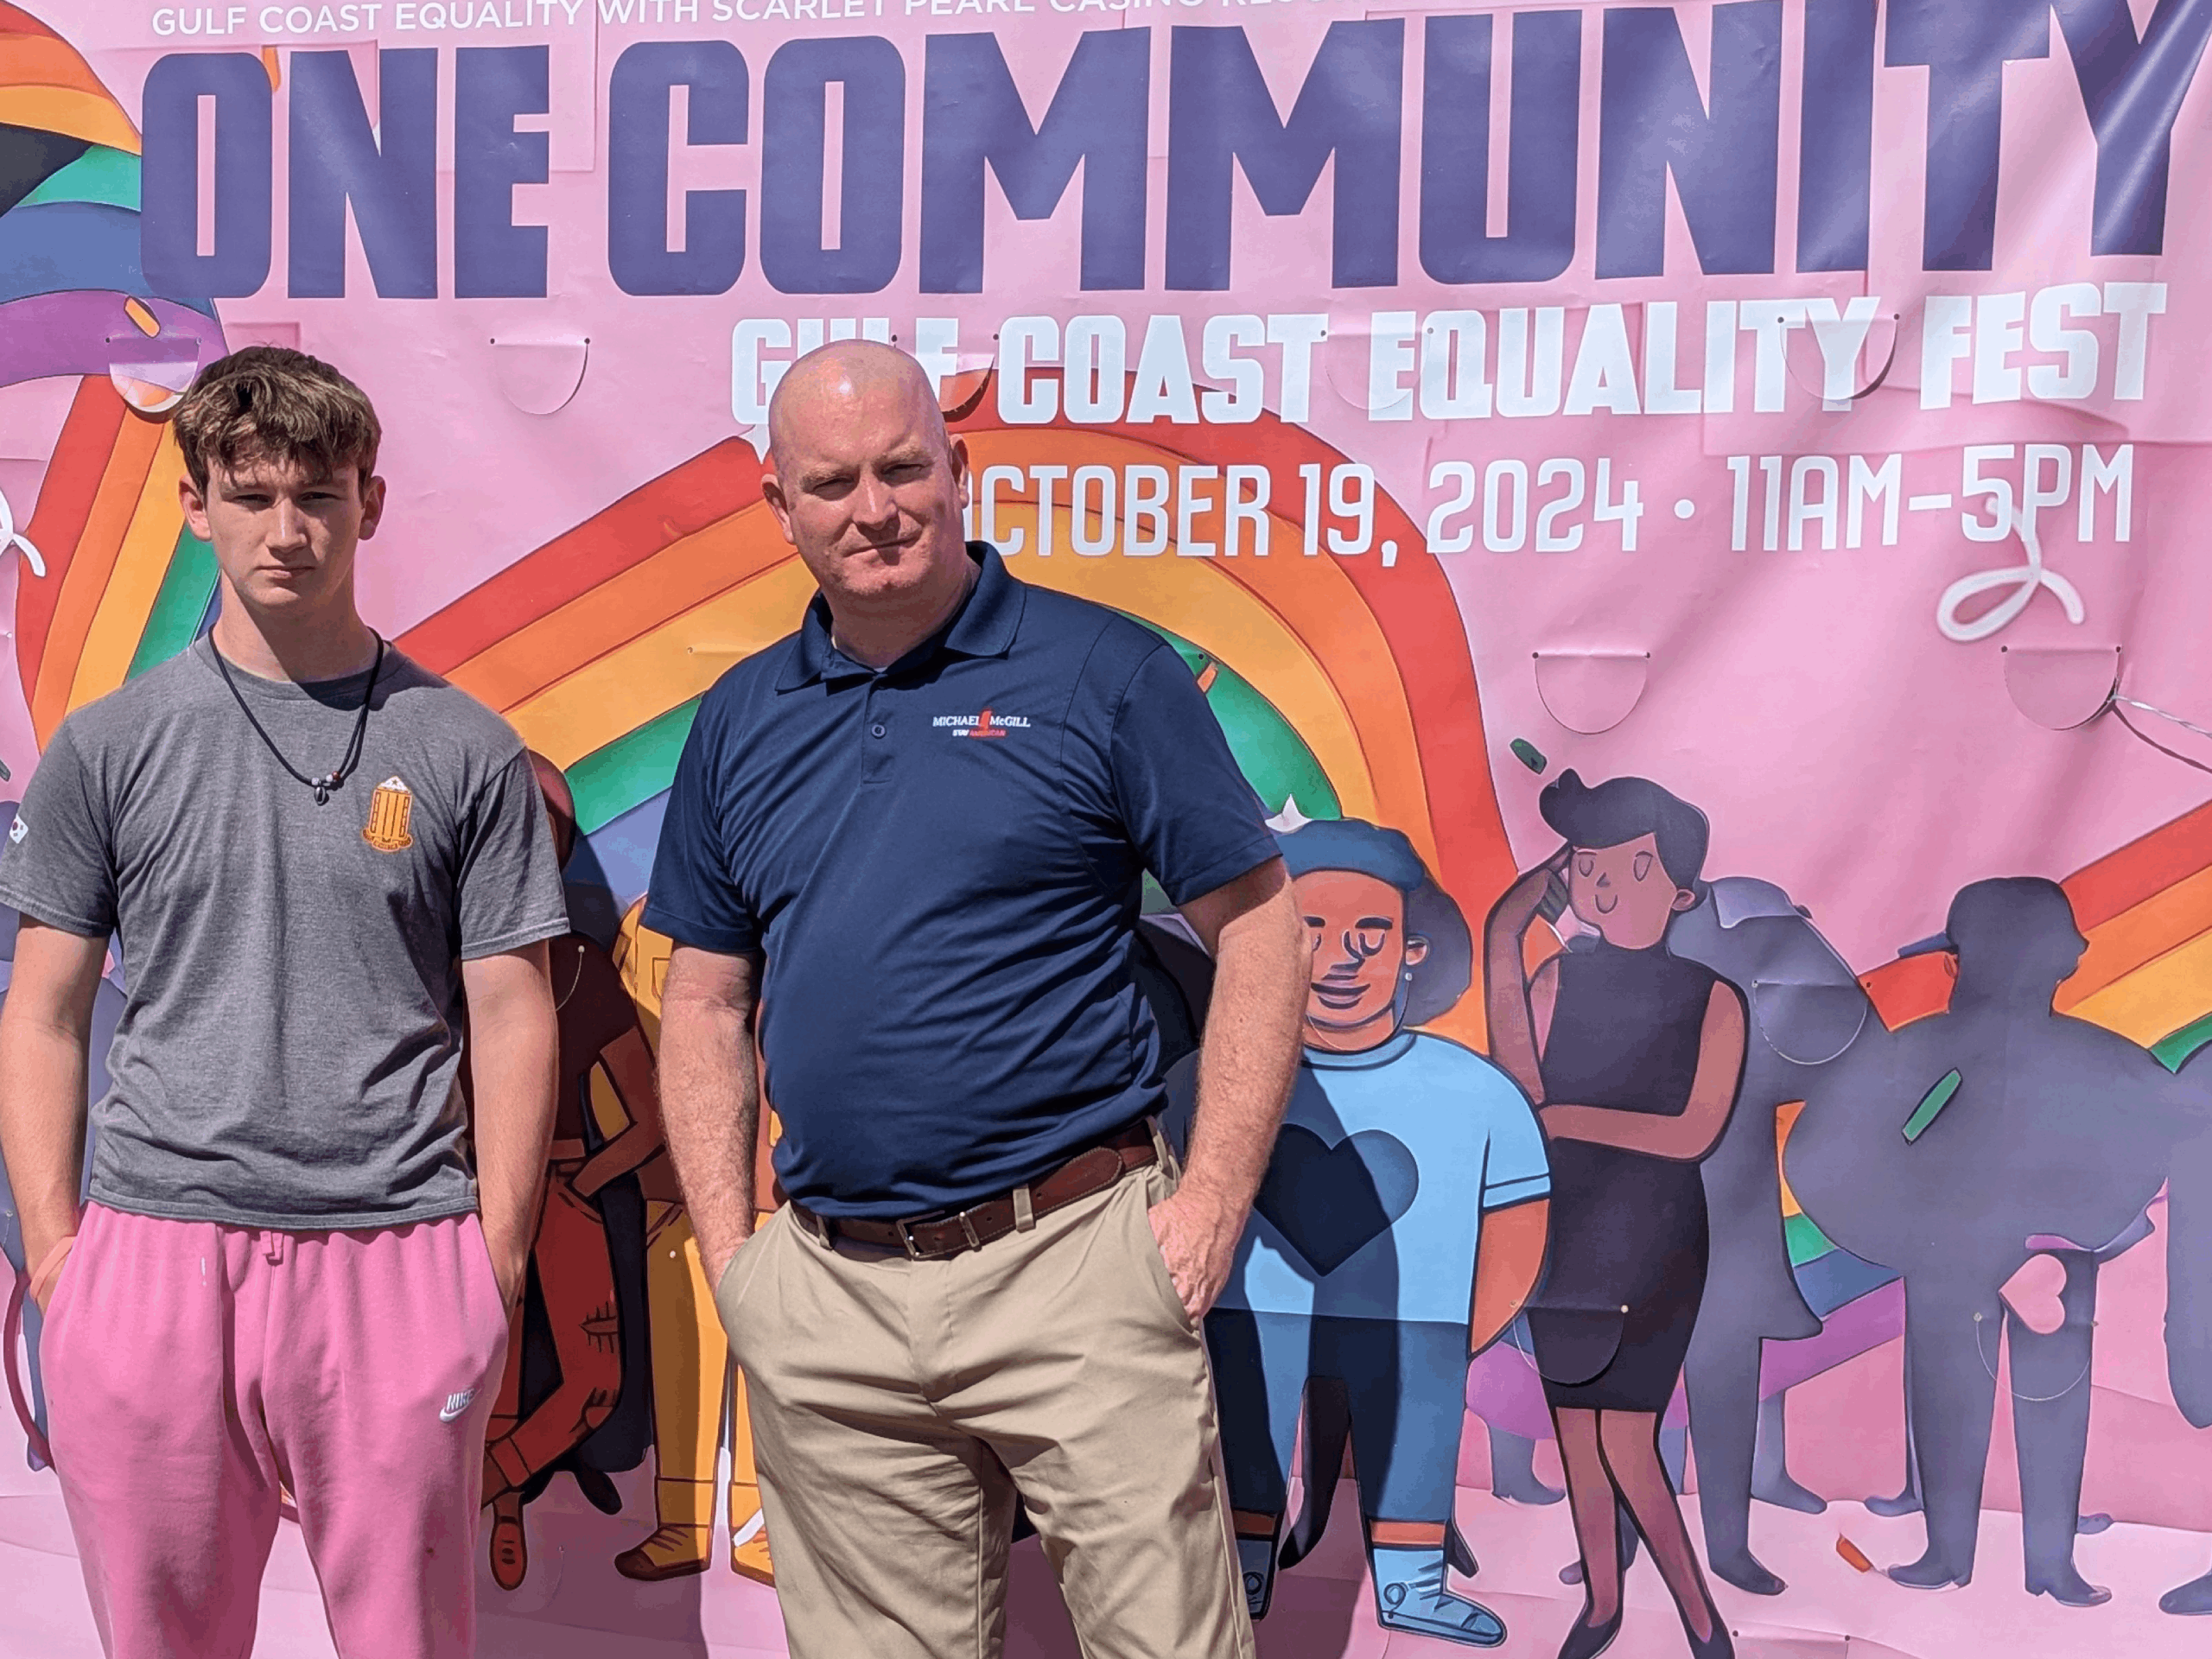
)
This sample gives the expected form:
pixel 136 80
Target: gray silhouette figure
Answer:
pixel 1807 1007
pixel 1954 1148
pixel 2189 1299
pixel 1513 1470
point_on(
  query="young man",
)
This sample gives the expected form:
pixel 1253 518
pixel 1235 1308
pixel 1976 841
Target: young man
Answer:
pixel 311 851
pixel 928 814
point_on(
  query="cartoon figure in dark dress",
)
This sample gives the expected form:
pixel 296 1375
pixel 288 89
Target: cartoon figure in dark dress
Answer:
pixel 1398 1230
pixel 1633 1056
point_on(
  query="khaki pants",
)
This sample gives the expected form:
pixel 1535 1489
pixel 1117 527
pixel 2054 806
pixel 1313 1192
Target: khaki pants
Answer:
pixel 898 1405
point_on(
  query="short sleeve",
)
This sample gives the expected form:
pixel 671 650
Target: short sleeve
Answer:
pixel 1183 800
pixel 1514 1168
pixel 59 865
pixel 693 898
pixel 509 888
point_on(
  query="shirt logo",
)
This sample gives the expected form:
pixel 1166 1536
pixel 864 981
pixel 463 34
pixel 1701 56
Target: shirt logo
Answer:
pixel 990 723
pixel 455 1404
pixel 19 829
pixel 392 808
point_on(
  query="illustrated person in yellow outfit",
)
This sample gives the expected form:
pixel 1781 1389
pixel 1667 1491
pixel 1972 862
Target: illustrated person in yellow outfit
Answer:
pixel 692 1376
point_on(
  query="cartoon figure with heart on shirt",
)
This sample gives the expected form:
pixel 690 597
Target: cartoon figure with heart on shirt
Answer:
pixel 1399 1228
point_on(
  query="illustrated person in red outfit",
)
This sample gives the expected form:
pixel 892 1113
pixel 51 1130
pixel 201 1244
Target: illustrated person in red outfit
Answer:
pixel 571 1267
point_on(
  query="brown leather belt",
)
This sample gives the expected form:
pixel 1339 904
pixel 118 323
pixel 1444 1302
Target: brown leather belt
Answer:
pixel 940 1234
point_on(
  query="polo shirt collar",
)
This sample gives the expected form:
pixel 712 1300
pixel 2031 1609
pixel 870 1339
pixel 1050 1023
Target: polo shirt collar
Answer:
pixel 984 625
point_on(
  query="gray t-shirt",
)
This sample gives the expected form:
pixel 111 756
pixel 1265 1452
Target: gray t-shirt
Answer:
pixel 293 1026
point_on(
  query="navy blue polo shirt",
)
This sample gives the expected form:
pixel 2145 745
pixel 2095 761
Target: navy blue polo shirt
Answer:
pixel 941 863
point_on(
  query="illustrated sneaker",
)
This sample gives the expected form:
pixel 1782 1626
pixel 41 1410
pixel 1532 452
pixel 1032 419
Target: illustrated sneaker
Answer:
pixel 1409 1595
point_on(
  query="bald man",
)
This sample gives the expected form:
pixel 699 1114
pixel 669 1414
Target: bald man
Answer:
pixel 914 831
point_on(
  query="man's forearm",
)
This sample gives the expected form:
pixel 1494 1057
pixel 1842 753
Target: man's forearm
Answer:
pixel 42 1129
pixel 513 1064
pixel 710 1109
pixel 1249 1054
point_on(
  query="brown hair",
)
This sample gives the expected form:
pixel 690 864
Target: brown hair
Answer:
pixel 267 403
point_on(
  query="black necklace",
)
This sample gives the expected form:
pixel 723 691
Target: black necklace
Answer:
pixel 332 779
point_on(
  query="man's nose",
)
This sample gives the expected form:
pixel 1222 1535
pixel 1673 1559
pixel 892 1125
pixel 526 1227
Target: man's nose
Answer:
pixel 873 501
pixel 290 527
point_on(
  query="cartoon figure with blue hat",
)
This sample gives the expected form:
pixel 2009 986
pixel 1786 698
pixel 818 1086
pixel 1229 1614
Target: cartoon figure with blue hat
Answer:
pixel 1399 1229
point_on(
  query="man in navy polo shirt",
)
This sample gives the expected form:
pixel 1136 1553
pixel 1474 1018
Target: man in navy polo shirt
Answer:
pixel 913 834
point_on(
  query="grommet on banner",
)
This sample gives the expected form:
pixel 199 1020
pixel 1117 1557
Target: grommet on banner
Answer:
pixel 2061 687
pixel 1591 691
pixel 539 377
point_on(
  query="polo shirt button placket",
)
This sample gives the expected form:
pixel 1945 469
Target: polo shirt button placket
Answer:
pixel 875 754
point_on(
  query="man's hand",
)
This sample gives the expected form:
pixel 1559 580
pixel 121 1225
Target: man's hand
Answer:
pixel 510 1268
pixel 1198 1240
pixel 718 1264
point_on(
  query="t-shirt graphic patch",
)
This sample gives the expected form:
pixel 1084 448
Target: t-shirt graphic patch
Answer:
pixel 990 723
pixel 19 829
pixel 392 808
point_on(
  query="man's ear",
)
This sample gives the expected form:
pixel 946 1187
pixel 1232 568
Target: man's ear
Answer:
pixel 771 491
pixel 1416 950
pixel 372 497
pixel 1684 899
pixel 193 500
pixel 964 477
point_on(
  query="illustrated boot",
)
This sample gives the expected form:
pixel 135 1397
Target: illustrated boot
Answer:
pixel 1409 1595
pixel 1255 1561
pixel 748 1535
pixel 685 1539
pixel 510 1549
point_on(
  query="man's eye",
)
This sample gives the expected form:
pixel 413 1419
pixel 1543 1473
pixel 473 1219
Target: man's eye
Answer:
pixel 1584 866
pixel 1642 865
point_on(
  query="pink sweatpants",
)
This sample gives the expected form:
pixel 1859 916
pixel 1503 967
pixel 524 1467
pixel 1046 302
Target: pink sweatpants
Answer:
pixel 191 1367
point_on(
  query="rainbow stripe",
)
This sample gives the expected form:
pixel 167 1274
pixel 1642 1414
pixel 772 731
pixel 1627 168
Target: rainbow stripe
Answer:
pixel 126 584
pixel 45 84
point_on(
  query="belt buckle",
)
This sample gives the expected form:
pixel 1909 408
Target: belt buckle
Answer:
pixel 905 1233
pixel 906 1240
